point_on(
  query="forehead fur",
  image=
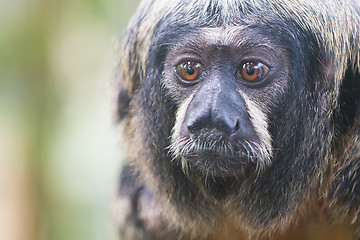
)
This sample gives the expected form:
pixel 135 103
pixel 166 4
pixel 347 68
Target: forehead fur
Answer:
pixel 324 19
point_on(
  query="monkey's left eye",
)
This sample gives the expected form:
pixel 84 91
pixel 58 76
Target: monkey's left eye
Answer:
pixel 189 71
pixel 253 71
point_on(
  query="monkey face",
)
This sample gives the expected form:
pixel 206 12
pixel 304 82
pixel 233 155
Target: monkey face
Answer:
pixel 225 86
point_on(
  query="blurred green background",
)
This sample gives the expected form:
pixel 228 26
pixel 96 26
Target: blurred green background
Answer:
pixel 60 152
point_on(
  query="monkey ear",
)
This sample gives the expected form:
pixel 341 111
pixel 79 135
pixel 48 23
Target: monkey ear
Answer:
pixel 127 72
pixel 356 84
pixel 357 114
pixel 132 56
pixel 123 101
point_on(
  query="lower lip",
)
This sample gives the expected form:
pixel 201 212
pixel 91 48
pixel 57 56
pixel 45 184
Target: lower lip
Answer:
pixel 227 166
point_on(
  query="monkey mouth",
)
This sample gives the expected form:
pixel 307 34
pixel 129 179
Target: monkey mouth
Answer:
pixel 219 164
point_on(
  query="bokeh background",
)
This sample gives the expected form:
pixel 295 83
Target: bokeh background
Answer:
pixel 60 152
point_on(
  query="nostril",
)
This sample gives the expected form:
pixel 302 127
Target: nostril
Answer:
pixel 236 128
pixel 192 128
pixel 195 125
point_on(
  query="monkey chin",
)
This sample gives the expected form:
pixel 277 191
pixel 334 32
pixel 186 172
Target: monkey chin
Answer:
pixel 220 165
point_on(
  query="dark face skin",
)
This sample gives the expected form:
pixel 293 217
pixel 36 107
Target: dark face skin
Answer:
pixel 225 81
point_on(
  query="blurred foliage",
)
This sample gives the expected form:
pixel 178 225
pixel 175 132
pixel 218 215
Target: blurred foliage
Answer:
pixel 59 150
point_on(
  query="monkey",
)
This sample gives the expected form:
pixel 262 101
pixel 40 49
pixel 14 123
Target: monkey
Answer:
pixel 241 120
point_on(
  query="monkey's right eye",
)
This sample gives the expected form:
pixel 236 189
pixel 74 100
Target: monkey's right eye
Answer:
pixel 189 71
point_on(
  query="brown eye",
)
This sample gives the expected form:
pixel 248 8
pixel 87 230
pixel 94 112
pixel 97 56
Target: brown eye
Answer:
pixel 253 71
pixel 189 71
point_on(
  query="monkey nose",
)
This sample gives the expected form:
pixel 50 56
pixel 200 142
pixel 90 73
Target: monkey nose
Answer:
pixel 225 124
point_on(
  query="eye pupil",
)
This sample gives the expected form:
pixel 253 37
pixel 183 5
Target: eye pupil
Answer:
pixel 250 71
pixel 190 70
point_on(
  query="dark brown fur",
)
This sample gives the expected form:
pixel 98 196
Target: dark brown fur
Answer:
pixel 311 188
